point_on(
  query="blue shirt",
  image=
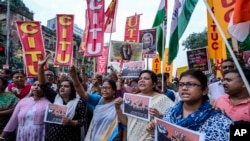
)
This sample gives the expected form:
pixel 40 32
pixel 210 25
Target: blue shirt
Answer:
pixel 170 94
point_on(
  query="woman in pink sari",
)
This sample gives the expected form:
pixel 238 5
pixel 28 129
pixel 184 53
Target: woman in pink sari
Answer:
pixel 28 117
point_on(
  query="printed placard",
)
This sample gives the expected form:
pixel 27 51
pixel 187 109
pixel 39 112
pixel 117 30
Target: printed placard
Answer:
pixel 246 57
pixel 126 51
pixel 148 39
pixel 198 60
pixel 166 131
pixel 54 113
pixel 136 106
pixel 132 69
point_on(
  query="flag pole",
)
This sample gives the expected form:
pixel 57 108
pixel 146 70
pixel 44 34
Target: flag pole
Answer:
pixel 162 57
pixel 147 63
pixel 163 47
pixel 228 47
pixel 109 46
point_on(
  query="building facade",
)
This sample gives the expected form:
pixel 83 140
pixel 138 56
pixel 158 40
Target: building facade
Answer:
pixel 19 12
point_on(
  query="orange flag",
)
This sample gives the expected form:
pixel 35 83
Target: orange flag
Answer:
pixel 241 11
pixel 239 24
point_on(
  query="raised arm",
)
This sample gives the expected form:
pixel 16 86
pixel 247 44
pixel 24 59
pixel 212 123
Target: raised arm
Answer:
pixel 41 63
pixel 122 118
pixel 83 75
pixel 79 88
pixel 49 93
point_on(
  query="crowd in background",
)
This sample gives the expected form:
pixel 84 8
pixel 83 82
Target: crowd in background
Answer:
pixel 94 113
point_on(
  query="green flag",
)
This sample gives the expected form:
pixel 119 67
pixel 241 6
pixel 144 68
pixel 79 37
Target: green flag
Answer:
pixel 183 10
pixel 160 23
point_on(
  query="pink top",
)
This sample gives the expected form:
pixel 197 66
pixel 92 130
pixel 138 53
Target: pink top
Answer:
pixel 21 110
pixel 237 112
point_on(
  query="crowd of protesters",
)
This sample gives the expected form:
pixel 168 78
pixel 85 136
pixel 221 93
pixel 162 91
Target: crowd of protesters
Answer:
pixel 94 113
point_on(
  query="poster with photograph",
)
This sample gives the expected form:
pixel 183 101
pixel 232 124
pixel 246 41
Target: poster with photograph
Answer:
pixel 198 60
pixel 127 51
pixel 166 131
pixel 246 57
pixel 136 106
pixel 132 69
pixel 54 113
pixel 148 39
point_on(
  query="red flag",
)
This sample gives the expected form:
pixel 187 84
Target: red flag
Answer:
pixel 110 17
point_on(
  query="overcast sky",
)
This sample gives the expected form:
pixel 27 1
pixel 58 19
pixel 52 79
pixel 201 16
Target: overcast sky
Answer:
pixel 47 9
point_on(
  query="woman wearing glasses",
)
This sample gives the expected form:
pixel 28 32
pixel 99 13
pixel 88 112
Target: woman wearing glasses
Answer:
pixel 76 116
pixel 194 111
pixel 104 125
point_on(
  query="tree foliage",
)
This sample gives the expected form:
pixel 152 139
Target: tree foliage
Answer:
pixel 196 40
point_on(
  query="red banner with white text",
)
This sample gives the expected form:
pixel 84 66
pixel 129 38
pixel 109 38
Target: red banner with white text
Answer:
pixel 102 61
pixel 64 42
pixel 132 29
pixel 95 33
pixel 30 35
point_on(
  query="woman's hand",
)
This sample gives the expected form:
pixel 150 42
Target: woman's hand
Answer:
pixel 217 108
pixel 42 61
pixel 66 121
pixel 118 101
pixel 151 128
pixel 72 71
pixel 154 113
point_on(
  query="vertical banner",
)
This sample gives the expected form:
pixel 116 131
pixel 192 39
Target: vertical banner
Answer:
pixel 96 28
pixel 215 47
pixel 85 33
pixel 148 39
pixel 102 61
pixel 64 41
pixel 156 64
pixel 30 35
pixel 167 68
pixel 132 28
pixel 218 63
pixel 223 10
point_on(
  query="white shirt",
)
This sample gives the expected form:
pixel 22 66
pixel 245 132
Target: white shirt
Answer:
pixel 215 90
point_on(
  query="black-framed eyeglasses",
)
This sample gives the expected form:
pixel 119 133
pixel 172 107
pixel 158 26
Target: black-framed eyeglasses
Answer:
pixel 106 88
pixel 49 75
pixel 188 85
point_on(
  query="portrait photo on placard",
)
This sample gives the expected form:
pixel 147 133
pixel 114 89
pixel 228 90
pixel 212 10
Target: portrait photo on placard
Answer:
pixel 127 51
pixel 148 39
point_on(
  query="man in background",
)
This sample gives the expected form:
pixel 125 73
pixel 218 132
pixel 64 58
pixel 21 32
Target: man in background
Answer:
pixel 216 89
